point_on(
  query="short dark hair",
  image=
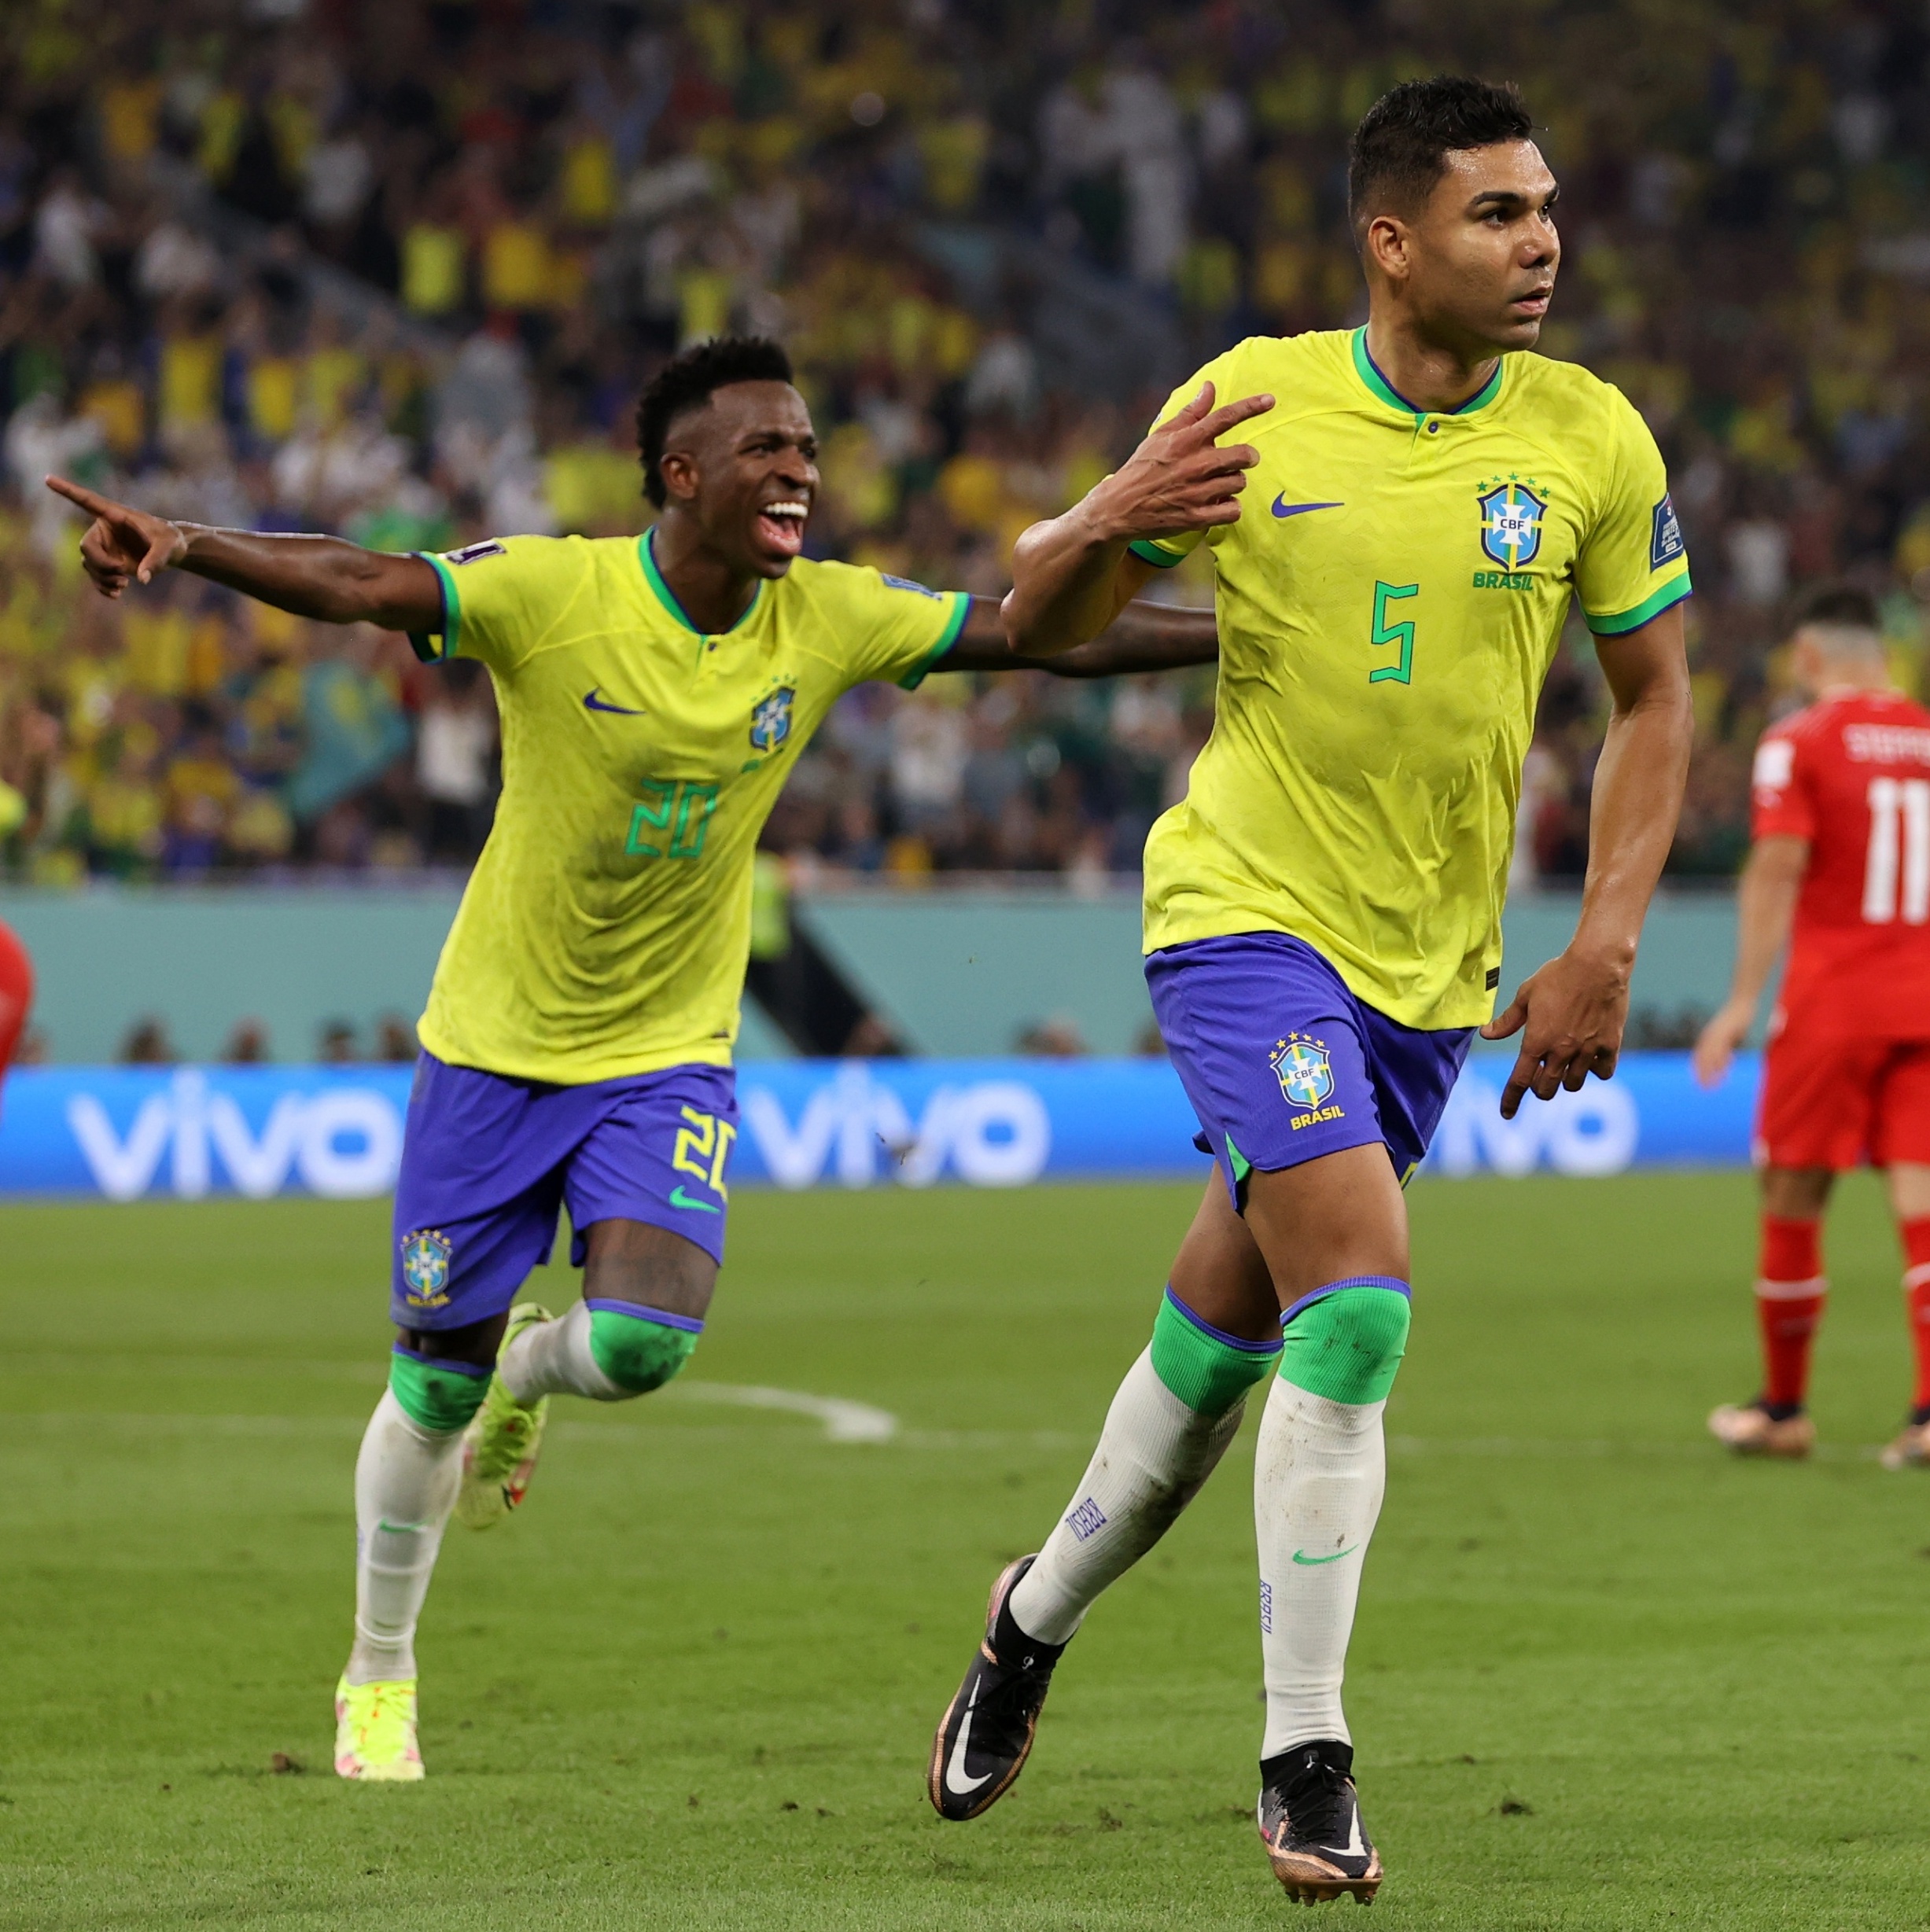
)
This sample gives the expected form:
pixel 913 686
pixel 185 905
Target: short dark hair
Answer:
pixel 688 380
pixel 1400 150
pixel 1841 607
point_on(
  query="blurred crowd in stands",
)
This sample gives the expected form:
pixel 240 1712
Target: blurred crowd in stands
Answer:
pixel 398 270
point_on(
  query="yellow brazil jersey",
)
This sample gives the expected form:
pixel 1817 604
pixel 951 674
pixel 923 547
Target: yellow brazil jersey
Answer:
pixel 1389 603
pixel 605 929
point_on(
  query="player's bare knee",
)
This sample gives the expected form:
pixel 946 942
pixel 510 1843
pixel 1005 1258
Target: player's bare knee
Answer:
pixel 631 1261
pixel 1796 1194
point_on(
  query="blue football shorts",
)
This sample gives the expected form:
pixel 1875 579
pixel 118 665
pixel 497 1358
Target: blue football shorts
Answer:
pixel 1283 1064
pixel 486 1162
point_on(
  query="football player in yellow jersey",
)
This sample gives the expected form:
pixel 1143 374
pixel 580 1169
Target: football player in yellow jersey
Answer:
pixel 655 692
pixel 1397 537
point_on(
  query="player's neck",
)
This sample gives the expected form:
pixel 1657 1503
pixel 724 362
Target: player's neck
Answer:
pixel 1424 373
pixel 1852 684
pixel 709 591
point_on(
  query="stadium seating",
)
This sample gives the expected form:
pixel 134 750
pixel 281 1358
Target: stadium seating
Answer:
pixel 399 271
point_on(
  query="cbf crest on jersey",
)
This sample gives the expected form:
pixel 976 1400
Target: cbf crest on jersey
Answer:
pixel 1511 521
pixel 1306 1075
pixel 426 1267
pixel 770 719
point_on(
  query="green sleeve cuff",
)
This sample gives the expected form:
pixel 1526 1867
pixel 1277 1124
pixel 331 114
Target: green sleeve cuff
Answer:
pixel 450 631
pixel 961 609
pixel 1149 552
pixel 1673 592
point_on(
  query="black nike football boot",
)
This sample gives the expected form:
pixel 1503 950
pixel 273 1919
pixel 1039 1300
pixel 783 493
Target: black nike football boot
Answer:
pixel 983 1742
pixel 1310 1818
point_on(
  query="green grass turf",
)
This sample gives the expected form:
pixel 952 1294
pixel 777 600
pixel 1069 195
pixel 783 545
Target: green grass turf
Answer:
pixel 1603 1677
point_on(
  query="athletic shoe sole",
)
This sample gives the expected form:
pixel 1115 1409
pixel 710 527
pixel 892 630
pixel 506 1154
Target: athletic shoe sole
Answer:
pixel 1312 1881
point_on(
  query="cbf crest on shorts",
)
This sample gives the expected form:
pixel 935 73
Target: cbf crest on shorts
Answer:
pixel 1511 522
pixel 1306 1075
pixel 425 1267
pixel 770 719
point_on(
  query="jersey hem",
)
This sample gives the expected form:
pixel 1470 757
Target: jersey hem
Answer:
pixel 1445 1016
pixel 450 630
pixel 955 623
pixel 1675 591
pixel 1148 552
pixel 575 1072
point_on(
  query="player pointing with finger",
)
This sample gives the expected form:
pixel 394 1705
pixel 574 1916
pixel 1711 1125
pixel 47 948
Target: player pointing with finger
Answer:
pixel 655 694
pixel 1399 518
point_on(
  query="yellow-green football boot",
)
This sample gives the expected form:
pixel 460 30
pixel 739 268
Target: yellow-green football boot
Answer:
pixel 500 1445
pixel 375 1731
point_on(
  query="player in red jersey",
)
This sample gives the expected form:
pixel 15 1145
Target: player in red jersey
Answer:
pixel 1840 870
pixel 16 993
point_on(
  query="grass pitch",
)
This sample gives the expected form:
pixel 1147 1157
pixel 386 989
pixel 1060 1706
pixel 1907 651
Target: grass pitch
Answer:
pixel 1603 1677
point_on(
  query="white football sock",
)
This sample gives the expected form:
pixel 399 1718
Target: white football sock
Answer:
pixel 1318 1475
pixel 553 1358
pixel 1154 1454
pixel 406 1481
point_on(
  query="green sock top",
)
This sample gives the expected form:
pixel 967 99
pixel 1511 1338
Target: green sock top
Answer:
pixel 1345 1341
pixel 436 1394
pixel 1207 1369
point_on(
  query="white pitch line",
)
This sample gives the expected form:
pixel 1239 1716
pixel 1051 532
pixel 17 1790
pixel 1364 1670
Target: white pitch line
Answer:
pixel 844 1421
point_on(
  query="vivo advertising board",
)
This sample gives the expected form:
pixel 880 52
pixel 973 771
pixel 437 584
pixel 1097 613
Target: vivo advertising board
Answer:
pixel 124 1133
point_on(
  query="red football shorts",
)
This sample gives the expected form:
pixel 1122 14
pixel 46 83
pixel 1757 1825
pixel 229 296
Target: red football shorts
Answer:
pixel 1833 1103
pixel 16 993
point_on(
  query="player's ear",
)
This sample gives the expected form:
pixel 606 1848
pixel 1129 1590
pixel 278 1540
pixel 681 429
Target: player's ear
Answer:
pixel 1384 246
pixel 678 468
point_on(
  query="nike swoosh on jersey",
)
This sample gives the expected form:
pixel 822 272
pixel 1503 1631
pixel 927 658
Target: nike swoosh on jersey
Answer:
pixel 1301 1556
pixel 592 702
pixel 956 1780
pixel 1283 508
pixel 679 1199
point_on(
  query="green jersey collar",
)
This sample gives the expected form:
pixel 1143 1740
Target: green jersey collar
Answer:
pixel 1382 391
pixel 646 553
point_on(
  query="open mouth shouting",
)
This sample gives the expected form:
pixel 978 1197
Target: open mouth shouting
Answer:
pixel 780 525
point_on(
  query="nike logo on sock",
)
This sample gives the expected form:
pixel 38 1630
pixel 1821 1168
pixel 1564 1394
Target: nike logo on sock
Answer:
pixel 955 1781
pixel 1301 1556
pixel 592 702
pixel 1283 508
pixel 679 1199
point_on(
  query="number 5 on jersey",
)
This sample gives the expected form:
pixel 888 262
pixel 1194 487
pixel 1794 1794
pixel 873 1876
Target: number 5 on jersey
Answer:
pixel 1402 634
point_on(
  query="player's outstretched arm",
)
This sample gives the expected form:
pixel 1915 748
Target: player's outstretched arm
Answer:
pixel 1765 907
pixel 313 576
pixel 1143 637
pixel 1571 1012
pixel 1073 575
